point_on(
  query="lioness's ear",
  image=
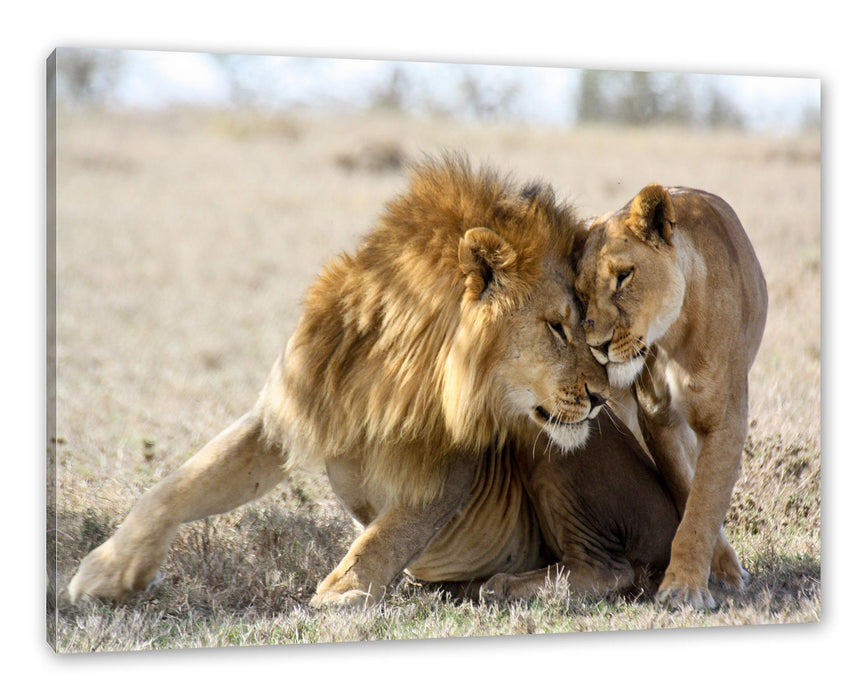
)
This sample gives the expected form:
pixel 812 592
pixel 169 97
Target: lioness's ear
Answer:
pixel 486 259
pixel 652 215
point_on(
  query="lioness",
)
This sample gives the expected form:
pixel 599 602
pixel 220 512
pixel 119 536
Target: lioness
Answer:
pixel 442 375
pixel 675 304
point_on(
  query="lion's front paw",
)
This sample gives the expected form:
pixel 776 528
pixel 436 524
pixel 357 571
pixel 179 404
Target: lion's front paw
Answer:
pixel 344 588
pixel 680 591
pixel 726 567
pixel 349 599
pixel 109 574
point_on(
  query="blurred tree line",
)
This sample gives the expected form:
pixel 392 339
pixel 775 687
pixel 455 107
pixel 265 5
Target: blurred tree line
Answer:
pixel 639 99
pixel 597 96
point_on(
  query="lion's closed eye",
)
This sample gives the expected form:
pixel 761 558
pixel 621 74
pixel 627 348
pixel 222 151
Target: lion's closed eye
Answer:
pixel 558 330
pixel 623 278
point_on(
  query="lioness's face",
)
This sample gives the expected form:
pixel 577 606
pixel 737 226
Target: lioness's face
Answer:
pixel 547 373
pixel 630 290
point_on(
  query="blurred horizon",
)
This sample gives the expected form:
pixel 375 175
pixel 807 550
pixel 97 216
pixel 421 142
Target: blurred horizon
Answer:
pixel 554 96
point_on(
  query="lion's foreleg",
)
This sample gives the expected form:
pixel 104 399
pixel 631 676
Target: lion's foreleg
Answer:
pixel 390 543
pixel 232 469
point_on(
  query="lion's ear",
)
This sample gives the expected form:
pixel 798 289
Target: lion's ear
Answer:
pixel 652 215
pixel 486 259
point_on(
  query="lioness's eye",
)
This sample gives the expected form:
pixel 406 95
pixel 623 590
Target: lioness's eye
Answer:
pixel 557 329
pixel 622 278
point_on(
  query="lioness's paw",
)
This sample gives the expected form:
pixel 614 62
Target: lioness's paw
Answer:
pixel 676 592
pixel 726 568
pixel 349 599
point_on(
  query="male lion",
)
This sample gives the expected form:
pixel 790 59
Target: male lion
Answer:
pixel 675 305
pixel 442 375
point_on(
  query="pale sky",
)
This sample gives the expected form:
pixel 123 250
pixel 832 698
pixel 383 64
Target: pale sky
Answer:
pixel 155 78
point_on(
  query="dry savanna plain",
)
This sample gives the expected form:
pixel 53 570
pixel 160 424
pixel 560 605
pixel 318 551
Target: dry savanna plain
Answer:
pixel 185 242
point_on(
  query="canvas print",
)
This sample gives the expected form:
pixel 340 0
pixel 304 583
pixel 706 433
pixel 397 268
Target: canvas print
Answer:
pixel 345 350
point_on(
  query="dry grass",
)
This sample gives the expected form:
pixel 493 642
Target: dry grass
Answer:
pixel 185 242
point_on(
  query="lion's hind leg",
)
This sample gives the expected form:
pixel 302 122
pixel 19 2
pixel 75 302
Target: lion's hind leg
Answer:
pixel 232 469
pixel 583 578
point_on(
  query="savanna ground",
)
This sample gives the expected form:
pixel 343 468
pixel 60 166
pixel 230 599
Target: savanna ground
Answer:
pixel 185 242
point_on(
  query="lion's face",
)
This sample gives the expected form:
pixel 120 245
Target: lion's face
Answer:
pixel 629 284
pixel 547 371
pixel 542 373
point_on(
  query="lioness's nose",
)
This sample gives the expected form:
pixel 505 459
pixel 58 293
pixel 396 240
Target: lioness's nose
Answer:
pixel 595 399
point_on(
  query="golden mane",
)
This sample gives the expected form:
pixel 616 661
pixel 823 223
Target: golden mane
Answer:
pixel 387 360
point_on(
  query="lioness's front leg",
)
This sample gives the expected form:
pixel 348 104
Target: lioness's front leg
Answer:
pixel 676 450
pixel 233 468
pixel 397 536
pixel 699 541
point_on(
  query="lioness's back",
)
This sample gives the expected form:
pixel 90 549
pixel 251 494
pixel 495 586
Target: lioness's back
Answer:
pixel 715 229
